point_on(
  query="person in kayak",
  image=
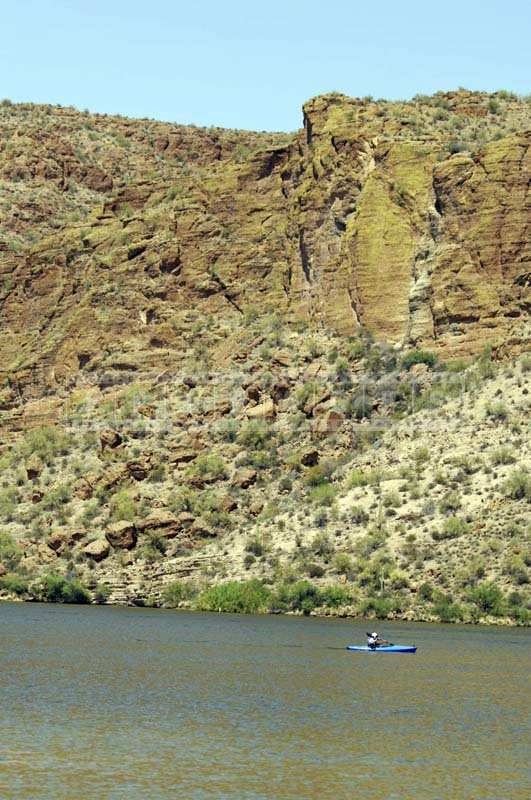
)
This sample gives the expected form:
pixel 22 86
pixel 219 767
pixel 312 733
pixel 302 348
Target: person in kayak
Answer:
pixel 374 641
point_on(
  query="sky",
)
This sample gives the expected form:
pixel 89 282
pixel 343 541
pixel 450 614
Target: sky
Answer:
pixel 252 65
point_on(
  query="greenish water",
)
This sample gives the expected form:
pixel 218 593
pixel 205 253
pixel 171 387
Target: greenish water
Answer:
pixel 142 704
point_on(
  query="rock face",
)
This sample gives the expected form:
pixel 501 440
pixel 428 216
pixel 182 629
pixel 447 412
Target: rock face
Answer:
pixel 122 535
pixel 373 215
pixel 97 550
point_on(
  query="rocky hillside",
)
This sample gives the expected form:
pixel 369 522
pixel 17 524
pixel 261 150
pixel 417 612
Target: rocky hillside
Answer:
pixel 292 358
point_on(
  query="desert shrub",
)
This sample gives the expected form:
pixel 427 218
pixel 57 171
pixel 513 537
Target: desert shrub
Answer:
pixel 323 495
pixel 518 485
pixel 306 392
pixel 285 485
pixel 452 528
pixel 158 474
pixel 446 609
pixel 358 407
pixel 8 503
pixel 314 570
pixel 516 568
pixel 210 466
pixel 227 430
pixel 392 500
pixel 174 593
pixel 358 515
pixel 419 357
pixel 235 597
pixel 379 607
pixel 101 593
pixel 450 502
pixel 255 546
pixel 254 435
pixel 14 584
pixel 357 478
pixel 47 443
pixel 320 473
pixel 369 543
pixel 488 598
pixel 55 498
pixel 300 596
pixel 322 546
pixel 503 455
pixel 122 506
pixel 426 591
pixel 343 564
pixel 10 552
pixel 496 411
pixel 334 596
pixel 248 560
pixel 54 588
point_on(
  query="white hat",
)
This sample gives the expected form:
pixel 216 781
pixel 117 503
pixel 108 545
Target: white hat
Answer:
pixel 374 634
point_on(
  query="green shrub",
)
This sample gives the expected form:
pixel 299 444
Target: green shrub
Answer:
pixel 518 485
pixel 46 443
pixel 314 570
pixel 380 607
pixel 489 599
pixel 446 609
pixel 450 502
pixel 122 506
pixel 323 495
pixel 56 589
pixel 357 478
pixel 101 593
pixel 497 411
pixel 255 546
pixel 235 597
pixel 343 564
pixel 503 455
pixel 322 546
pixel 319 474
pixel 208 466
pixel 419 357
pixel 452 528
pixel 254 435
pixel 174 593
pixel 426 591
pixel 10 553
pixel 334 596
pixel 14 584
pixel 301 596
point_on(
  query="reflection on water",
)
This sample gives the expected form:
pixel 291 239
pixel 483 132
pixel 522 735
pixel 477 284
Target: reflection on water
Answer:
pixel 142 704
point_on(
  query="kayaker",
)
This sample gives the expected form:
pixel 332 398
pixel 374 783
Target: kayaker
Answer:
pixel 374 641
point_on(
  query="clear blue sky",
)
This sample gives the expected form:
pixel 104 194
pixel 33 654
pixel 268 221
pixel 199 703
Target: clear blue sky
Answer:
pixel 252 65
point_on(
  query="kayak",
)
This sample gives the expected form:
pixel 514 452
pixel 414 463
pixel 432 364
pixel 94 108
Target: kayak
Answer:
pixel 389 648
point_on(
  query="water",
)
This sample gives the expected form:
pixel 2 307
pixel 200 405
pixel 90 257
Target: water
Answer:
pixel 113 703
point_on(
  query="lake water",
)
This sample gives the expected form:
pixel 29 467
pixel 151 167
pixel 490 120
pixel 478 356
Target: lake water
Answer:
pixel 114 703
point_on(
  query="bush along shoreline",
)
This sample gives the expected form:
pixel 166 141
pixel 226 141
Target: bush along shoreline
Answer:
pixel 485 603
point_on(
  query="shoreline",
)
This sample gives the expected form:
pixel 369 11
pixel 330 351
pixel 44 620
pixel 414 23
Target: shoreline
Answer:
pixel 502 622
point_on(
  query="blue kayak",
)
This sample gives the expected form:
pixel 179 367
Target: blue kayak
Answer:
pixel 390 648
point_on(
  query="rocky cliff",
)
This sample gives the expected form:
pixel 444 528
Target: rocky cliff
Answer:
pixel 206 316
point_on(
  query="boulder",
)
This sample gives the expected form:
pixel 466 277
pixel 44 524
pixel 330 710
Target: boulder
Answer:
pixel 310 458
pixel 329 422
pixel 256 508
pixel 243 478
pixel 36 496
pixel 139 468
pixel 110 439
pixel 265 410
pixel 97 550
pixel 34 467
pixel 280 390
pixel 122 535
pixel 164 523
pixel 315 400
pixel 253 392
pixel 183 456
pixel 228 504
pixel 201 529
